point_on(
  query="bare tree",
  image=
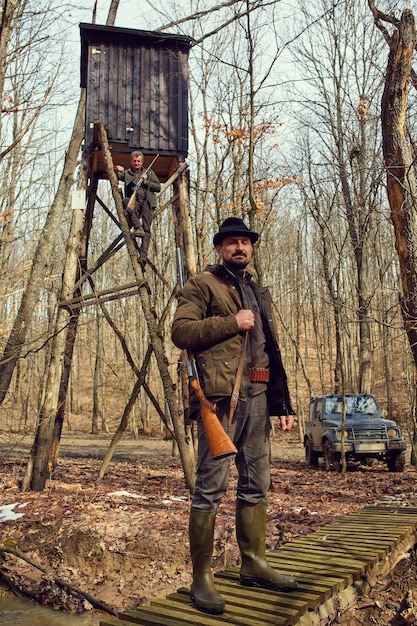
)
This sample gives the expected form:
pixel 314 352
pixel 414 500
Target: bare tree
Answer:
pixel 343 141
pixel 24 42
pixel 400 170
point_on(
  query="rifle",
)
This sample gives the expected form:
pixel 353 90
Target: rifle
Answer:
pixel 218 440
pixel 132 200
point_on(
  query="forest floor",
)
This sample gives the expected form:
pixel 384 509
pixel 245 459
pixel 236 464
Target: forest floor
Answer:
pixel 124 539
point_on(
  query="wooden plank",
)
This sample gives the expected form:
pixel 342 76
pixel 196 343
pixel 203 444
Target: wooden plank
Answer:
pixel 340 567
pixel 255 612
pixel 165 104
pixel 326 585
pixel 342 544
pixel 386 543
pixel 261 597
pixel 376 513
pixel 149 615
pixel 366 526
pixel 135 119
pixel 324 556
pixel 141 618
pixel 111 621
pixel 294 598
pixel 191 616
pixel 356 543
pixel 390 510
pixel 385 539
pixel 370 552
pixel 302 570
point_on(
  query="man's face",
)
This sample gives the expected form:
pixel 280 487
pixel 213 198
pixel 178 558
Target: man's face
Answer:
pixel 235 251
pixel 136 162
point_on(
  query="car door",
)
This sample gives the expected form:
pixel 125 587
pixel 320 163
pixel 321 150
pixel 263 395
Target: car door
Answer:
pixel 317 424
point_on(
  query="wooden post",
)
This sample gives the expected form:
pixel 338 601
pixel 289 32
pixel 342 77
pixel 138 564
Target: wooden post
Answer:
pixel 186 451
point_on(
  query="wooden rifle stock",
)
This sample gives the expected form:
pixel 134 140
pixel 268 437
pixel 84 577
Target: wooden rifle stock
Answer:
pixel 132 200
pixel 218 440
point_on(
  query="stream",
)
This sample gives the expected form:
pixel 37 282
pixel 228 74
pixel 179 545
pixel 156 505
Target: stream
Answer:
pixel 15 612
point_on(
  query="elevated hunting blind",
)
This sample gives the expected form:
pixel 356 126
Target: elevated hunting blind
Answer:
pixel 136 85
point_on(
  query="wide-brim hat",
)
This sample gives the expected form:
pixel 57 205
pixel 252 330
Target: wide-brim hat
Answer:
pixel 234 226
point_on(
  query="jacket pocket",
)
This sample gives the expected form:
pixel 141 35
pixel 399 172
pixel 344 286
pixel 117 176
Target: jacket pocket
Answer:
pixel 218 373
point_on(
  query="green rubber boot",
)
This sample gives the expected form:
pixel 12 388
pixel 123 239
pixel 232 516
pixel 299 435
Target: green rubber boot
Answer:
pixel 203 592
pixel 250 531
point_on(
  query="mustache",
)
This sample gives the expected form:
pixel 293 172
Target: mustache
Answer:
pixel 239 253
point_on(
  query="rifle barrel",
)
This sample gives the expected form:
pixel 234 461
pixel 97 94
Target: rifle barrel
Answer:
pixel 145 172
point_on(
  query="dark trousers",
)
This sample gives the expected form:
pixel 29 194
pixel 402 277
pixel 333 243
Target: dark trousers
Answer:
pixel 143 212
pixel 147 214
pixel 132 216
pixel 250 432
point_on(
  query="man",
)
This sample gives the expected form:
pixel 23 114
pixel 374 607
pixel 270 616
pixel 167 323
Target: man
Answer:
pixel 145 198
pixel 216 311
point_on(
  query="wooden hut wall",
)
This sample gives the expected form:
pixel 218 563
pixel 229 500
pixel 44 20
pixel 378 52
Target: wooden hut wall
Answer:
pixel 140 93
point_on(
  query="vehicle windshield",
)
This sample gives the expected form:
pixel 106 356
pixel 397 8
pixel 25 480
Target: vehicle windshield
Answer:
pixel 354 404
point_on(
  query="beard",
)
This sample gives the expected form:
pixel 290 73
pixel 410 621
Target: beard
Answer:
pixel 238 263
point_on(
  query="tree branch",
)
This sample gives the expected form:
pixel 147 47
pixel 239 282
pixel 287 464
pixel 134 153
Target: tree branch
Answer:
pixel 98 604
pixel 26 128
pixel 380 17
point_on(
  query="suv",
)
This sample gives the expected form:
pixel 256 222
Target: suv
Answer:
pixel 367 435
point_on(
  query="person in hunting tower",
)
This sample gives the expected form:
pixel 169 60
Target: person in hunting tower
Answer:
pixel 141 216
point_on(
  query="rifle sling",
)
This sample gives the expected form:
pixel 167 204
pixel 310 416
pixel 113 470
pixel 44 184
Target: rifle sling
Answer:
pixel 236 387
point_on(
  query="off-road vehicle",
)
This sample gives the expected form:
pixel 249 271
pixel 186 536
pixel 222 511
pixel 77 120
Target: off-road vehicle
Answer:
pixel 367 435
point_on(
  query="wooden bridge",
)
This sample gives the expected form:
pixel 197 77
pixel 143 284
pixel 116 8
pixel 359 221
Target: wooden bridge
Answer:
pixel 334 567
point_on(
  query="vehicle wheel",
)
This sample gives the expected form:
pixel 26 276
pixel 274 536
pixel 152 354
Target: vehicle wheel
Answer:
pixel 312 457
pixel 327 456
pixel 396 462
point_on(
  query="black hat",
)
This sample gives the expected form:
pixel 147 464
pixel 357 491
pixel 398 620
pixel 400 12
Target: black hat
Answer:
pixel 233 226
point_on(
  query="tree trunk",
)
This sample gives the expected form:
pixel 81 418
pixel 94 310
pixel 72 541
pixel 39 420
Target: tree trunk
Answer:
pixel 42 450
pixel 98 379
pixel 401 182
pixel 401 175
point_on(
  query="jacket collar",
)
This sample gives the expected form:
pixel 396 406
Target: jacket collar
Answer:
pixel 223 272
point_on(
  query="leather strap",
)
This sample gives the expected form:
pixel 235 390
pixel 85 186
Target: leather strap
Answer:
pixel 236 387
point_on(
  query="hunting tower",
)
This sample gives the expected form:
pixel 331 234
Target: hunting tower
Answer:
pixel 136 98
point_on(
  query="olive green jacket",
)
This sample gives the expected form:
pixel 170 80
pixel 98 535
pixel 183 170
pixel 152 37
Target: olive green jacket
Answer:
pixel 205 324
pixel 146 191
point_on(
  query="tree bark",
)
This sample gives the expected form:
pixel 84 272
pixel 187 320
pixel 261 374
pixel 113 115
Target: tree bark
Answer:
pixel 401 182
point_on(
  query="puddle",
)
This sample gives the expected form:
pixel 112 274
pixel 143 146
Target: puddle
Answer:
pixel 19 613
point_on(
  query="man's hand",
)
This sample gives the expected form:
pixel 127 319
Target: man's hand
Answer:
pixel 120 168
pixel 286 421
pixel 245 319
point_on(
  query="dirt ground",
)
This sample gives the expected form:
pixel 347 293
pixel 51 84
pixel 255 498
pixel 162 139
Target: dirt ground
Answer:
pixel 123 539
